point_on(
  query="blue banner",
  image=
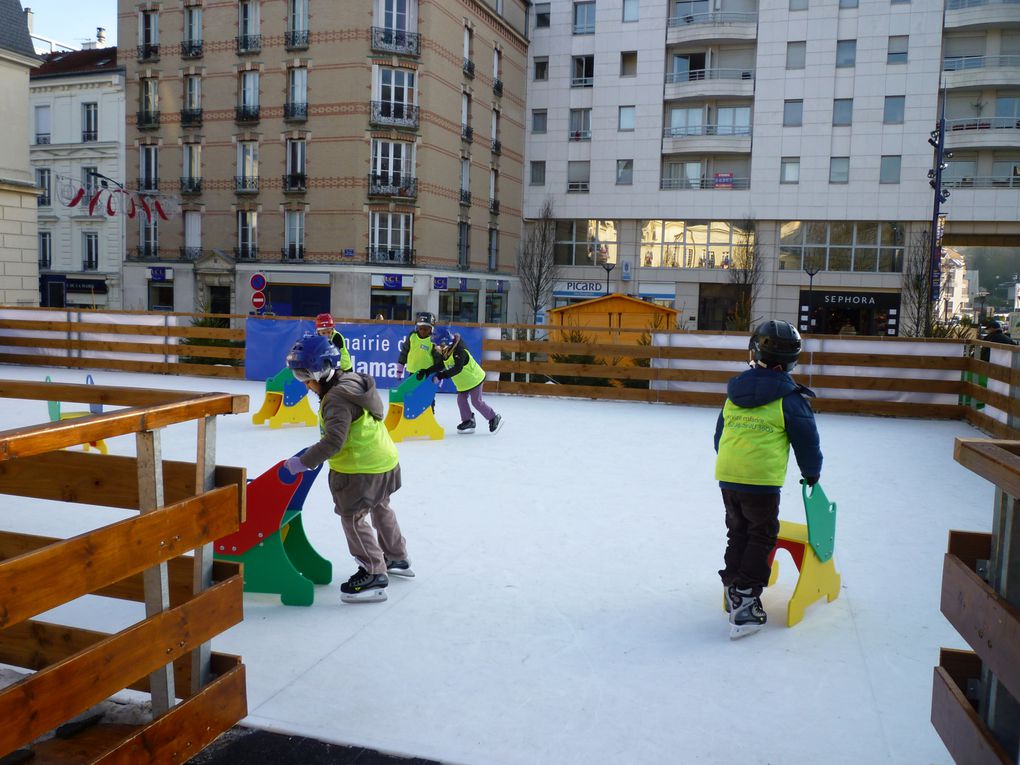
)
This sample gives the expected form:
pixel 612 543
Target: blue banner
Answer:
pixel 267 342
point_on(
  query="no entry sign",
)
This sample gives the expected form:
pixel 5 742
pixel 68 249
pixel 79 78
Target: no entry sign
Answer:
pixel 258 300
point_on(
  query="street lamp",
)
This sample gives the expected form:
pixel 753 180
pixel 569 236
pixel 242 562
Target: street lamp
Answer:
pixel 609 266
pixel 937 139
pixel 982 296
pixel 811 269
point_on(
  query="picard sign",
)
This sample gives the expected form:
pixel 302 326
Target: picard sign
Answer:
pixel 586 286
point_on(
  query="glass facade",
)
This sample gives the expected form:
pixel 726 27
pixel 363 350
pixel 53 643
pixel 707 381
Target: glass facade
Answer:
pixel 693 244
pixel 861 246
pixel 585 242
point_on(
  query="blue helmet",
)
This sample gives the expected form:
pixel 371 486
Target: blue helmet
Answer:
pixel 442 336
pixel 313 357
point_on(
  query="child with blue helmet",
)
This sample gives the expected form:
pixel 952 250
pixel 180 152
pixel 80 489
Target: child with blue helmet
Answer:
pixel 452 360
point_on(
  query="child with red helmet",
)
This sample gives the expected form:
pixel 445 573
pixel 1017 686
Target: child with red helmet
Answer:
pixel 325 326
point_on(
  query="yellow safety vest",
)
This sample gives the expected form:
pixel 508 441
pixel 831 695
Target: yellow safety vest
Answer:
pixel 754 447
pixel 368 448
pixel 470 376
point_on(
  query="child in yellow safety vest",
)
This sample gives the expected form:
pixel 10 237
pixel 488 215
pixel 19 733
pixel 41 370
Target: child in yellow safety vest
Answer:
pixel 416 350
pixel 364 468
pixel 325 326
pixel 452 360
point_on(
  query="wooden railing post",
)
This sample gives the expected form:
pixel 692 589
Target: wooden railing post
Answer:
pixel 156 580
pixel 205 474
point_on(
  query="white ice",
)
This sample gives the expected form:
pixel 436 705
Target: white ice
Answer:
pixel 566 607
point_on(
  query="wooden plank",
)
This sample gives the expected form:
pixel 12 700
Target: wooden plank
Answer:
pixel 991 398
pixel 990 425
pixel 83 747
pixel 888 408
pixel 963 732
pixel 884 361
pixel 44 700
pixel 962 667
pixel 112 346
pixel 99 558
pixel 988 622
pixel 990 461
pixel 970 547
pixel 81 393
pixel 208 370
pixel 120 328
pixel 1007 375
pixel 607 393
pixel 77 362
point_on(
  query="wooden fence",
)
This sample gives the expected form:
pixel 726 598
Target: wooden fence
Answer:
pixel 196 694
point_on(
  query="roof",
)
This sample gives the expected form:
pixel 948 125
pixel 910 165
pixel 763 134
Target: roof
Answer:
pixel 14 34
pixel 645 305
pixel 65 63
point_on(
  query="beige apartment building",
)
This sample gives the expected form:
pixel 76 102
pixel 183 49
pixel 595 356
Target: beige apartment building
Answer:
pixel 365 157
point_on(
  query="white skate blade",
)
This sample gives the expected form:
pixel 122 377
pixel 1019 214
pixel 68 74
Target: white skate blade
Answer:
pixel 465 432
pixel 409 573
pixel 499 427
pixel 738 631
pixel 375 595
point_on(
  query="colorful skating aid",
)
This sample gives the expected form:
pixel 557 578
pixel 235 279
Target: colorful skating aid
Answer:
pixel 410 412
pixel 286 402
pixel 56 415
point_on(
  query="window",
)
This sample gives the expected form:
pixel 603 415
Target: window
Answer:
pixel 247 233
pixel 463 244
pixel 148 235
pixel 496 63
pixel 839 170
pixel 294 234
pixel 871 246
pixel 148 168
pixel 89 251
pixel 686 121
pixel 297 16
pixel 42 124
pixel 296 107
pixel 45 249
pixel 465 111
pixel 148 33
pixel 193 233
pixel 626 118
pixel 692 244
pixel 539 118
pixel 580 125
pixel 192 160
pixel 150 95
pixel 733 120
pixel 43 181
pixel 193 91
pixel 795 54
pixel 789 170
pixel 893 113
pixel 631 10
pixel 842 111
pixel 249 90
pixel 847 3
pixel 583 68
pixel 681 175
pixel 585 242
pixel 248 19
pixel 624 172
pixel 390 236
pixel 541 15
pixel 468 40
pixel 541 69
pixel 584 18
pixel 628 63
pixel 897 49
pixel 538 173
pixel 193 24
pixel 465 175
pixel 890 169
pixel 392 162
pixel 397 97
pixel 89 181
pixel 493 249
pixel 578 176
pixel 248 160
pixel 798 5
pixel 793 113
pixel 846 53
pixel 296 157
pixel 89 122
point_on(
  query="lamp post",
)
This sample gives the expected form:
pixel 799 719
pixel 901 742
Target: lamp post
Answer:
pixel 609 266
pixel 811 269
pixel 938 141
pixel 982 296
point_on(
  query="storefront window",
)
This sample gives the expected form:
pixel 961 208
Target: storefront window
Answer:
pixel 585 242
pixel 459 307
pixel 841 246
pixel 694 244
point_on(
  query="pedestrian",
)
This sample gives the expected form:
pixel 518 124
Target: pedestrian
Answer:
pixel 765 413
pixel 994 333
pixel 416 350
pixel 364 468
pixel 452 360
pixel 325 326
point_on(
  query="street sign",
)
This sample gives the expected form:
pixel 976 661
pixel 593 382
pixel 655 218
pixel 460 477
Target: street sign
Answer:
pixel 258 300
pixel 258 282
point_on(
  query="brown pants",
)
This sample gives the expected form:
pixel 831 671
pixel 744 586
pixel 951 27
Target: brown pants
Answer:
pixel 370 552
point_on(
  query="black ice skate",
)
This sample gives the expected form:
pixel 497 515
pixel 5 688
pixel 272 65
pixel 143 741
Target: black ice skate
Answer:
pixel 495 423
pixel 747 615
pixel 399 568
pixel 468 426
pixel 364 587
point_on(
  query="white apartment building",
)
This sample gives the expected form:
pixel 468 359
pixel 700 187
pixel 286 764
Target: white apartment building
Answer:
pixel 77 134
pixel 670 136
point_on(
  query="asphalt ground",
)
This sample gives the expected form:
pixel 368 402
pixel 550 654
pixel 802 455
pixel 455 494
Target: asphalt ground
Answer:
pixel 247 746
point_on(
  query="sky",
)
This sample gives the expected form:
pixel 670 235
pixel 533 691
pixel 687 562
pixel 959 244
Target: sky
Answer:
pixel 72 22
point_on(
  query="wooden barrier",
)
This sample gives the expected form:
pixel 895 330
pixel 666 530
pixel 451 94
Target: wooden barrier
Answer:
pixel 196 694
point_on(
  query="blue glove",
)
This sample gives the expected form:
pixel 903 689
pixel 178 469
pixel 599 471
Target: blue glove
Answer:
pixel 294 465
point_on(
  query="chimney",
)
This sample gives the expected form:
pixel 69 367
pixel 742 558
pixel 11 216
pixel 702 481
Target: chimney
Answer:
pixel 29 16
pixel 100 37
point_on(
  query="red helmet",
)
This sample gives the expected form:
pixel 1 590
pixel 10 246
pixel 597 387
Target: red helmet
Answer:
pixel 324 321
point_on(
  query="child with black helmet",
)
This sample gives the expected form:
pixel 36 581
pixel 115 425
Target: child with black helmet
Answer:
pixel 364 468
pixel 416 350
pixel 452 360
pixel 765 413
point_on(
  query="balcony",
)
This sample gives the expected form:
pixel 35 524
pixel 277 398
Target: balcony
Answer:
pixel 981 14
pixel 293 253
pixel 989 133
pixel 191 253
pixel 296 39
pixel 149 251
pixel 246 114
pixel 497 87
pixel 394 114
pixel 469 68
pixel 148 52
pixel 294 182
pixel 983 182
pixel 246 252
pixel 146 120
pixel 248 44
pixel 192 49
pixel 396 41
pixel 191 117
pixel 708 83
pixel 711 25
pixel 981 71
pixel 89 136
pixel 465 197
pixel 392 185
pixel 295 111
pixel 148 183
pixel 394 255
pixel 577 187
pixel 582 82
pixel 467 133
pixel 42 138
pixel 723 181
pixel 496 146
pixel 494 206
pixel 578 135
pixel 707 139
pixel 246 184
pixel 191 185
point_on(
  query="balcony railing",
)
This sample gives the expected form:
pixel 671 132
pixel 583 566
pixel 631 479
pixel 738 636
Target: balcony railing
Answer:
pixel 191 253
pixel 577 187
pixel 582 82
pixel 469 67
pixel 148 251
pixel 699 130
pixel 712 17
pixel 723 182
pixel 396 41
pixel 295 182
pixel 249 43
pixel 579 135
pixel 465 197
pixel 956 5
pixel 191 117
pixel 192 49
pixel 90 264
pixel 43 200
pixel 983 182
pixel 89 136
pixel 246 252
pixel 42 138
pixel 45 264
pixel 961 63
pixel 398 255
pixel 148 183
pixel 497 146
pixel 191 184
pixel 693 75
pixel 246 113
pixel 391 185
pixel 293 252
pixel 394 114
pixel 246 184
pixel 295 111
pixel 467 133
pixel 147 119
pixel 494 206
pixel 584 28
pixel 296 39
pixel 988 123
pixel 148 52
pixel 497 87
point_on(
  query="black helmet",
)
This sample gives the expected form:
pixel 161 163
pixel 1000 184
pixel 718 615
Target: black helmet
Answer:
pixel 775 343
pixel 993 326
pixel 425 319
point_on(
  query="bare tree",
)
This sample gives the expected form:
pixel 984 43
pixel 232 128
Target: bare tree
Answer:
pixel 916 292
pixel 536 264
pixel 747 274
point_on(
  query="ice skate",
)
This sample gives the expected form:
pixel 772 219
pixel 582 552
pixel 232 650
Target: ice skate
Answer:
pixel 747 615
pixel 364 587
pixel 399 568
pixel 468 426
pixel 495 424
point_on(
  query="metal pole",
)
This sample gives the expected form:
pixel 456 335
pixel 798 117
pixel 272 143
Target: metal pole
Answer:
pixel 937 140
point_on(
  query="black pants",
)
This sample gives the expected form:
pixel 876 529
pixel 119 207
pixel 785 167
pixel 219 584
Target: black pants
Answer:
pixel 752 526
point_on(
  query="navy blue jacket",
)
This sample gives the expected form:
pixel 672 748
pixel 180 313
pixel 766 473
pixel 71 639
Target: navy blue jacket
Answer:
pixel 757 387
